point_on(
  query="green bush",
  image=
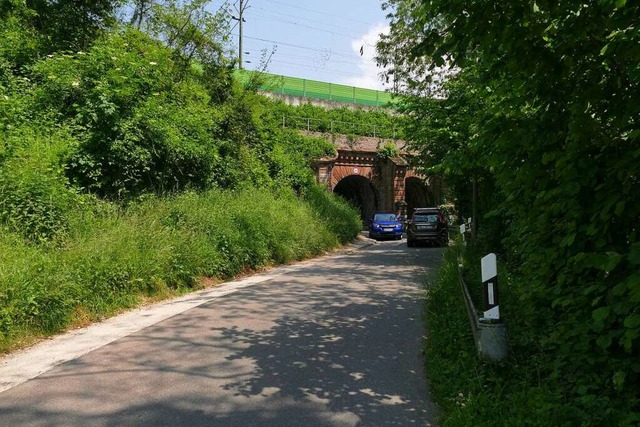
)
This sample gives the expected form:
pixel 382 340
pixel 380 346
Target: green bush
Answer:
pixel 472 392
pixel 139 128
pixel 343 120
pixel 340 217
pixel 113 257
pixel 128 171
pixel 35 196
pixel 557 160
pixel 519 392
pixel 20 43
pixel 388 151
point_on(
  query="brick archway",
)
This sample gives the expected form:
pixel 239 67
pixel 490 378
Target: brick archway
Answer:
pixel 340 172
pixel 386 177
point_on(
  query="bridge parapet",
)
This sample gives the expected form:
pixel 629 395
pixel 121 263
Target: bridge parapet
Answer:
pixel 362 144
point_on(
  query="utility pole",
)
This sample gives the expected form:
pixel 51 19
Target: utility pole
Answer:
pixel 240 19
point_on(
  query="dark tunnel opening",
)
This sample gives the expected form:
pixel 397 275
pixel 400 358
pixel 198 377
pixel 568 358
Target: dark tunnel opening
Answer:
pixel 417 195
pixel 360 192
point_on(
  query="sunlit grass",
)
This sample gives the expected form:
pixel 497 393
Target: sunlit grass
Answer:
pixel 115 258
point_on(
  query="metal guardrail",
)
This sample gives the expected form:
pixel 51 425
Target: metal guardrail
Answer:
pixel 489 336
pixel 330 125
pixel 472 313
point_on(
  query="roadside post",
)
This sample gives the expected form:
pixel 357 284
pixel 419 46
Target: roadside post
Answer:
pixel 490 287
pixel 492 332
pixel 463 229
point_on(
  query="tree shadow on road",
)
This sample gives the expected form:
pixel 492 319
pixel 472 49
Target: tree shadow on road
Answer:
pixel 354 359
pixel 331 354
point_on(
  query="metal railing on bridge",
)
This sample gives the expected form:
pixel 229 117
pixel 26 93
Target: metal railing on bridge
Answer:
pixel 295 86
pixel 337 126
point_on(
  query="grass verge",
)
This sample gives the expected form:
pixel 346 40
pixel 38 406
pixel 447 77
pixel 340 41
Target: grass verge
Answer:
pixel 470 392
pixel 114 258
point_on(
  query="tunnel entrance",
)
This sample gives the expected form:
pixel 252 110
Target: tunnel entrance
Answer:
pixel 360 192
pixel 417 195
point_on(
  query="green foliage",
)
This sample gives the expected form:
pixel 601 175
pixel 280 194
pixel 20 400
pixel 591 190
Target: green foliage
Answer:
pixel 139 128
pixel 51 20
pixel 133 167
pixel 340 217
pixel 388 151
pixel 196 36
pixel 114 257
pixel 552 133
pixel 13 108
pixel 35 197
pixel 32 29
pixel 144 125
pixel 357 121
pixel 289 158
pixel 517 393
pixel 20 42
pixel 101 90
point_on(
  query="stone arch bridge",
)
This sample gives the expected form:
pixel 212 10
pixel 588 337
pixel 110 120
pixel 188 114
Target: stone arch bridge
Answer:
pixel 374 184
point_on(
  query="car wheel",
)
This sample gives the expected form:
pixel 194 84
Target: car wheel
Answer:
pixel 410 243
pixel 398 237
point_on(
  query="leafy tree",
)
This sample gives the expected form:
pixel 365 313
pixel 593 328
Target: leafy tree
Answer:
pixel 141 10
pixel 556 129
pixel 196 36
pixel 19 43
pixel 139 128
pixel 52 20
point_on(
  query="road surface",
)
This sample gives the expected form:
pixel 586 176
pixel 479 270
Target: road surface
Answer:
pixel 334 341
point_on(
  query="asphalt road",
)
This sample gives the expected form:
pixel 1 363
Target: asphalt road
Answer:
pixel 329 342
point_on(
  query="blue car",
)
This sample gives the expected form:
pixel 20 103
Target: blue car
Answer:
pixel 385 225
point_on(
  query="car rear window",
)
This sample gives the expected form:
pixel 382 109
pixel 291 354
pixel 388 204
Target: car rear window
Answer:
pixel 384 217
pixel 425 217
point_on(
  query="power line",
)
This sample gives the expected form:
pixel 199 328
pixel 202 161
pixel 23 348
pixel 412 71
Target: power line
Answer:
pixel 325 24
pixel 306 26
pixel 333 52
pixel 291 55
pixel 319 51
pixel 319 12
pixel 296 51
pixel 327 72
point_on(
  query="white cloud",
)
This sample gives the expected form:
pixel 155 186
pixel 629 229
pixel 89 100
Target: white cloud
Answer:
pixel 366 67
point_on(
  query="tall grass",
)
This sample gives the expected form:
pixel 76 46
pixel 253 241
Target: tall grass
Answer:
pixel 113 258
pixel 474 393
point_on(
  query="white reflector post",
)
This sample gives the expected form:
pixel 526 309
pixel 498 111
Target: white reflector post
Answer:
pixel 490 287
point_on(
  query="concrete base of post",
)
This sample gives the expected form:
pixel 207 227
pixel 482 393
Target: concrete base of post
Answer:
pixel 491 340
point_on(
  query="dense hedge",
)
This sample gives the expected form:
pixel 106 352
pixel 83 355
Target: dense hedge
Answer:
pixel 541 112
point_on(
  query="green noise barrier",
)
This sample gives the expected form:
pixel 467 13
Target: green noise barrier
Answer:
pixel 295 86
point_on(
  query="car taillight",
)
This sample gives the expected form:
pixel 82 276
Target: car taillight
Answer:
pixel 442 219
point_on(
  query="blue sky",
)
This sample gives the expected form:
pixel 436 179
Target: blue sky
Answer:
pixel 315 39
